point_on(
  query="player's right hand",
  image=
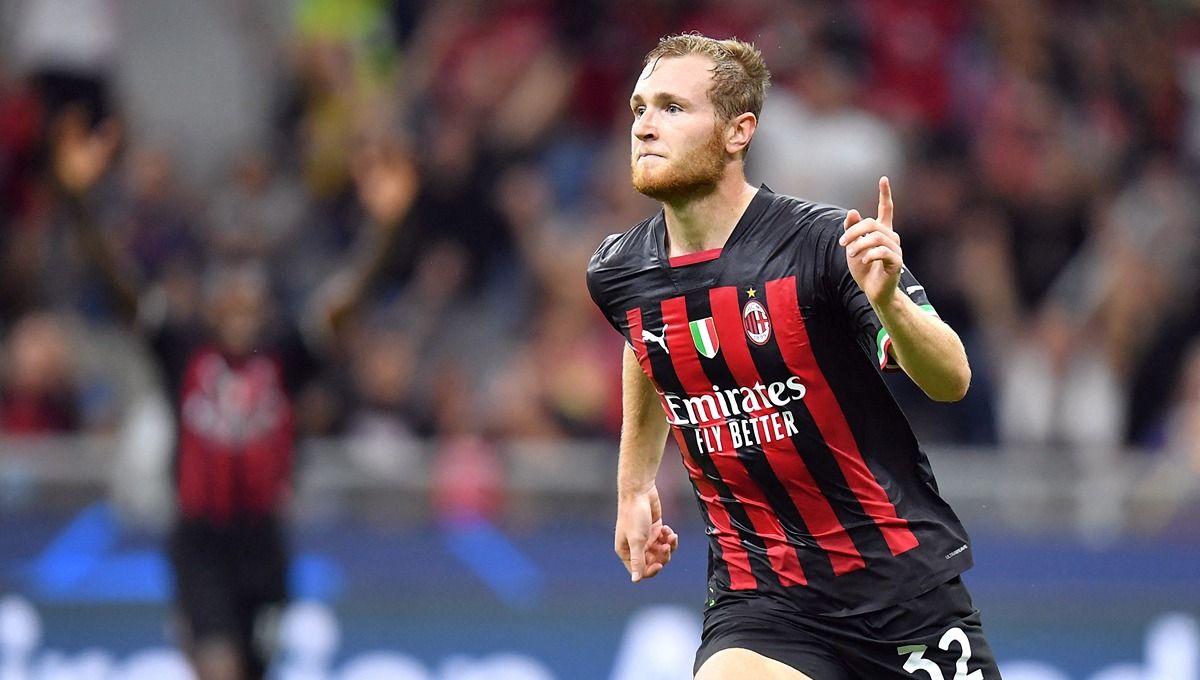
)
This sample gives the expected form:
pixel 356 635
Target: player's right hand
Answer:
pixel 644 544
pixel 82 155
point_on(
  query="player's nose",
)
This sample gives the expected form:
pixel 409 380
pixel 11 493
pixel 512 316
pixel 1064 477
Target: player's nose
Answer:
pixel 644 128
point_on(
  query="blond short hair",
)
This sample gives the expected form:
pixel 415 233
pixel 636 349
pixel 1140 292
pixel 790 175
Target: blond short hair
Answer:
pixel 740 76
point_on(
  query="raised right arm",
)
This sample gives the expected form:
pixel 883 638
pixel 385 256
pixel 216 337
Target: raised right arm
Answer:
pixel 80 158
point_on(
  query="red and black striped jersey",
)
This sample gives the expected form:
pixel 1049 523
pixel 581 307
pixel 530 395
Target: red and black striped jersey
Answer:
pixel 766 357
pixel 235 423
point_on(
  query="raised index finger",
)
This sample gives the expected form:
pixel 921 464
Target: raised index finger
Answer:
pixel 885 202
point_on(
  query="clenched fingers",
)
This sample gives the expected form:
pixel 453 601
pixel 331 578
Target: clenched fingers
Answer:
pixel 867 234
pixel 862 226
pixel 658 551
pixel 864 242
pixel 881 254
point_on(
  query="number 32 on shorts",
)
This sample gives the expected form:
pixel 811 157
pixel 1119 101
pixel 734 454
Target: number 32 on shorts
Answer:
pixel 917 662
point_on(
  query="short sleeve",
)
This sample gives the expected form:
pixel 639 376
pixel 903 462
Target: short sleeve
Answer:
pixel 597 285
pixel 853 301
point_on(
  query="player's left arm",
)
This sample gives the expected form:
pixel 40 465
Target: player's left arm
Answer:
pixel 924 346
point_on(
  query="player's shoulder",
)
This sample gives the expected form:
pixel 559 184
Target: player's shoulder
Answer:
pixel 791 213
pixel 631 249
pixel 616 272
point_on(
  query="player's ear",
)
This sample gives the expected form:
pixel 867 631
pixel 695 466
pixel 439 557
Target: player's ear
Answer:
pixel 739 132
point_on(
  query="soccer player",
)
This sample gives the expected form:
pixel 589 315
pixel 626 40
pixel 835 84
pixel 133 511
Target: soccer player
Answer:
pixel 232 379
pixel 758 324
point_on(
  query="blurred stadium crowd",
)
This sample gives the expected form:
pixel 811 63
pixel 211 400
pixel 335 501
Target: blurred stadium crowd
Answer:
pixel 1044 154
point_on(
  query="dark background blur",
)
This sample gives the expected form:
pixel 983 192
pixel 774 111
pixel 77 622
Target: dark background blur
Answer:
pixel 1044 156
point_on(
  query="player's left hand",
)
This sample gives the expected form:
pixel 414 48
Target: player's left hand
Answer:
pixel 641 539
pixel 873 250
pixel 662 545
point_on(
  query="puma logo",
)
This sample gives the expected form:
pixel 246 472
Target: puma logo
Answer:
pixel 661 340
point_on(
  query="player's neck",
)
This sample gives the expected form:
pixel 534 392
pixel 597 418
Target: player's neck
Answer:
pixel 705 223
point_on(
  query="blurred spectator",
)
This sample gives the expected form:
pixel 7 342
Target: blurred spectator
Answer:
pixel 1068 384
pixel 1173 483
pixel 467 481
pixel 453 213
pixel 384 424
pixel 21 194
pixel 1156 380
pixel 816 140
pixel 344 63
pixel 69 49
pixel 1071 383
pixel 555 386
pixel 1183 438
pixel 467 475
pixel 961 253
pixel 911 46
pixel 21 113
pixel 155 220
pixel 1049 150
pixel 233 379
pixel 38 392
pixel 254 211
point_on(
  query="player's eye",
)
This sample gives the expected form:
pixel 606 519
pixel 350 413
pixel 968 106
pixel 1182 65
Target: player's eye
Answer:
pixel 674 108
pixel 638 111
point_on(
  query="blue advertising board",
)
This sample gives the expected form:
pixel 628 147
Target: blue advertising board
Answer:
pixel 83 598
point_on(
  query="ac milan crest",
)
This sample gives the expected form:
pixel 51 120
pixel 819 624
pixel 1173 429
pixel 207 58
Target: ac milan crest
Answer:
pixel 756 322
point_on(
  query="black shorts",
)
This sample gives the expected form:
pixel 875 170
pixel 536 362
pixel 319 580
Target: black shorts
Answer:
pixel 229 580
pixel 930 637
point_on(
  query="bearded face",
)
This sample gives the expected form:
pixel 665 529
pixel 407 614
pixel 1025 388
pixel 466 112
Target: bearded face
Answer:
pixel 683 173
pixel 678 141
